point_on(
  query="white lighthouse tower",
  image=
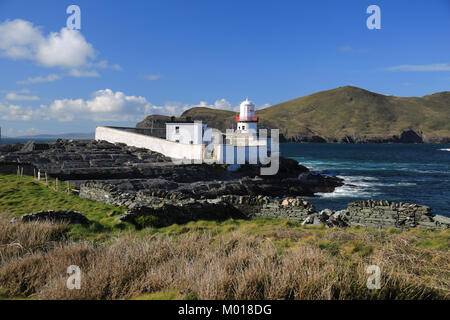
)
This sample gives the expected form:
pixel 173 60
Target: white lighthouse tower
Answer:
pixel 247 122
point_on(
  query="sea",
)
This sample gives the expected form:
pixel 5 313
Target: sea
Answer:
pixel 409 173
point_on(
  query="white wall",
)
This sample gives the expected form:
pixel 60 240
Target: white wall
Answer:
pixel 168 148
pixel 188 133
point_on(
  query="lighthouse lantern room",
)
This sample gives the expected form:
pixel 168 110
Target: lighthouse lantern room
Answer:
pixel 247 122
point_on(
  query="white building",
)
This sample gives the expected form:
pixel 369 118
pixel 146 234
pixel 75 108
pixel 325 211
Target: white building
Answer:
pixel 195 141
pixel 185 132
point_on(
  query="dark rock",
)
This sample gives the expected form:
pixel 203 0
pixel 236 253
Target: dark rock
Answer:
pixel 33 146
pixel 167 214
pixel 410 136
pixel 62 216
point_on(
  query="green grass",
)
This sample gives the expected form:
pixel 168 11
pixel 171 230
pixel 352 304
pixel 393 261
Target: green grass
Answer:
pixel 25 195
pixel 417 257
pixel 19 196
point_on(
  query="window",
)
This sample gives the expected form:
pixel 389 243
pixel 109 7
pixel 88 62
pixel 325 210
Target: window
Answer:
pixel 177 140
pixel 177 129
pixel 243 127
pixel 191 142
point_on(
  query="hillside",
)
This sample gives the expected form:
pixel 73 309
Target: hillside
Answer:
pixel 346 114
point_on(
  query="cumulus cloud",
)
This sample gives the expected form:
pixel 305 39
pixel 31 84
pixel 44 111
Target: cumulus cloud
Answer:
pixel 10 112
pixel 20 39
pixel 218 104
pixel 423 67
pixel 68 48
pixel 105 105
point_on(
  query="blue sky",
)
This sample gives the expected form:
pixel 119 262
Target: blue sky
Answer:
pixel 133 58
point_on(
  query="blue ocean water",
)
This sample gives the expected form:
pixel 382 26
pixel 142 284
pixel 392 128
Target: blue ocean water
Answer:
pixel 24 140
pixel 412 173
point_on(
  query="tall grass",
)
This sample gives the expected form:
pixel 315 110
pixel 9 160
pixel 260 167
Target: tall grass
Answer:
pixel 232 265
pixel 234 259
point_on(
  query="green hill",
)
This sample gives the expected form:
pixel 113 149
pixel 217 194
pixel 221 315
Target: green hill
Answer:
pixel 347 114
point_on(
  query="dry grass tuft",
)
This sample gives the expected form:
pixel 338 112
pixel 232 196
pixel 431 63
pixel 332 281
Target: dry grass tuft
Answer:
pixel 231 265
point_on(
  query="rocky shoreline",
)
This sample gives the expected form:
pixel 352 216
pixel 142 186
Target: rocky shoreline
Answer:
pixel 380 214
pixel 159 193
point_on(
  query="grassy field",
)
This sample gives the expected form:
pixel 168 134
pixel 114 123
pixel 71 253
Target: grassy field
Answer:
pixel 26 195
pixel 234 259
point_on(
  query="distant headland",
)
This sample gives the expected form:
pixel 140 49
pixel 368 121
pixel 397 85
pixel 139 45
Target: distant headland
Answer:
pixel 342 115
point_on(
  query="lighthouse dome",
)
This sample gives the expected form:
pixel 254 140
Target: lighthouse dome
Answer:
pixel 247 103
pixel 247 111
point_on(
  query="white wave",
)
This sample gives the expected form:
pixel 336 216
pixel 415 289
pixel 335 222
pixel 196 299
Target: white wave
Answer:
pixel 354 187
pixel 445 149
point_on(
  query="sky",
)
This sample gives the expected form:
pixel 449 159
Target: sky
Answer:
pixel 134 58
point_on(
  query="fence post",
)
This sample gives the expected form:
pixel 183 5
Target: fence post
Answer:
pixel 46 179
pixel 56 184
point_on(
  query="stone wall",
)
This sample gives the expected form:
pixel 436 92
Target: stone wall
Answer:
pixel 385 214
pixel 259 206
pixel 251 206
pixel 379 214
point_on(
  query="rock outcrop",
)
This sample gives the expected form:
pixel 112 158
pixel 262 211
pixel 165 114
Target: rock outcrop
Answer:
pixel 82 160
pixel 167 214
pixel 62 216
pixel 380 214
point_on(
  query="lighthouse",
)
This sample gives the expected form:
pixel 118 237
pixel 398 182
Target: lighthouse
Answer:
pixel 247 122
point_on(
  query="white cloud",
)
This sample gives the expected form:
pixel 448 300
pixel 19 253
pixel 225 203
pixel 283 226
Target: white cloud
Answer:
pixel 104 64
pixel 49 78
pixel 348 48
pixel 84 73
pixel 15 112
pixel 423 67
pixel 345 48
pixel 218 104
pixel 40 79
pixel 105 105
pixel 68 48
pixel 14 96
pixel 76 73
pixel 151 77
pixel 20 39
